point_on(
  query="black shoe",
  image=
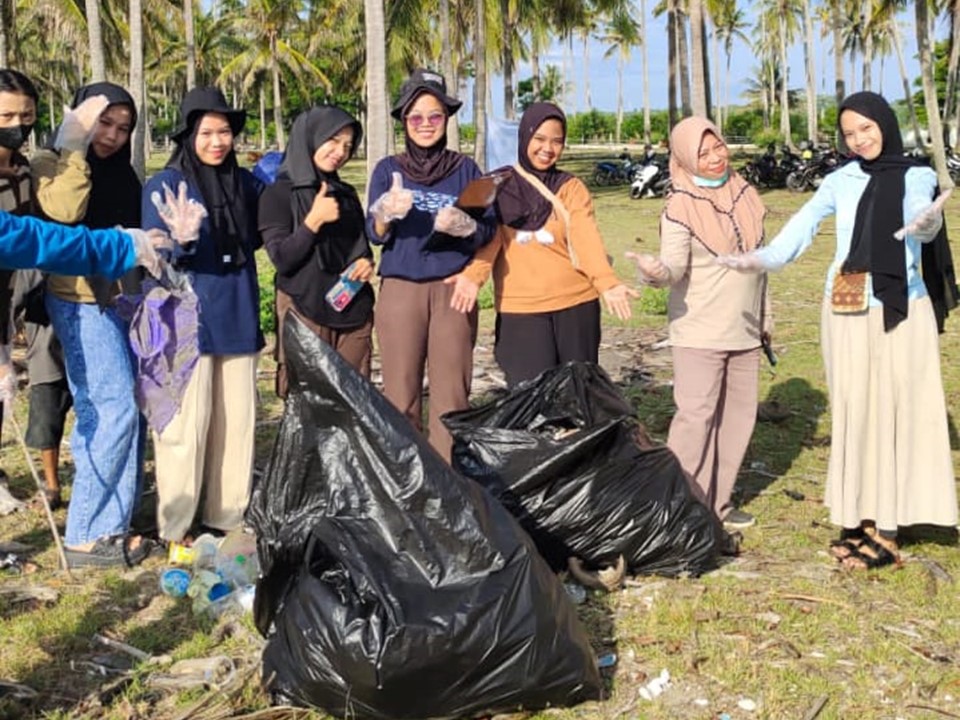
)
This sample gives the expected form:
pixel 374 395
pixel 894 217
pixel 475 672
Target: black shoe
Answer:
pixel 110 552
pixel 737 519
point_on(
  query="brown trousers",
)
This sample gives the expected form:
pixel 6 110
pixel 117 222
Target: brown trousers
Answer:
pixel 415 327
pixel 355 345
pixel 716 396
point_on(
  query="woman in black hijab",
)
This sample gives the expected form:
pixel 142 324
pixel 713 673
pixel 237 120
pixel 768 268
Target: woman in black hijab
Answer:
pixel 312 225
pixel 107 440
pixel 890 462
pixel 209 443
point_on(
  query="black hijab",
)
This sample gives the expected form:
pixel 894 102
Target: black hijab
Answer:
pixel 310 130
pixel 880 211
pixel 519 204
pixel 115 188
pixel 221 186
pixel 427 165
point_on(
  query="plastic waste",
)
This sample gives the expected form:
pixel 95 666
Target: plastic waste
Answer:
pixel 393 587
pixel 236 559
pixel 174 582
pixel 655 687
pixel 180 554
pixel 205 548
pixel 205 588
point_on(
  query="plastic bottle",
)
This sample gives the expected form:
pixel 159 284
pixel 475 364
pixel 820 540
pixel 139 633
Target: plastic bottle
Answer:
pixel 205 549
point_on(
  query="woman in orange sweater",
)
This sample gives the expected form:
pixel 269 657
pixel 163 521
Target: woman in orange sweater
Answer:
pixel 549 265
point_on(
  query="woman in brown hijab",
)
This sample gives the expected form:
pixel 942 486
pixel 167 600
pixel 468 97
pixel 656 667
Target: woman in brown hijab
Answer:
pixel 716 316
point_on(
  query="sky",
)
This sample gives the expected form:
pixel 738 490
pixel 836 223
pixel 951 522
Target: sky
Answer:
pixel 603 72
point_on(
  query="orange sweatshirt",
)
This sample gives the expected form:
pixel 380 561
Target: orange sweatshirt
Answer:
pixel 533 276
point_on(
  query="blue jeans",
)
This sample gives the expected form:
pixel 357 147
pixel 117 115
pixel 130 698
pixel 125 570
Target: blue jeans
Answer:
pixel 107 440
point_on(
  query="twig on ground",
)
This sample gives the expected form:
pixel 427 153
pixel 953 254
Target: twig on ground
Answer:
pixel 813 598
pixel 945 713
pixel 122 647
pixel 816 708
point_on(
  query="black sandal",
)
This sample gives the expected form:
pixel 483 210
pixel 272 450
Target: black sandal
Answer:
pixel 867 550
pixel 110 552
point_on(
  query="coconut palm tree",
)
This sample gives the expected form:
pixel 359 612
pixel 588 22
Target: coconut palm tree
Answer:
pixel 189 37
pixel 700 84
pixel 480 85
pixel 377 125
pixel 731 22
pixel 135 20
pixel 622 34
pixel 922 19
pixel 98 62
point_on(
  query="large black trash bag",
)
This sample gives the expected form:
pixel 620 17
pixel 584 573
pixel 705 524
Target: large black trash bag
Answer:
pixel 562 453
pixel 393 587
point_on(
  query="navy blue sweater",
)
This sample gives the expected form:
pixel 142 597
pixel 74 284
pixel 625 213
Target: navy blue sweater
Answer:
pixel 411 249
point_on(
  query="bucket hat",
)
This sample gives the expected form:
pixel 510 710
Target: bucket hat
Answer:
pixel 202 100
pixel 421 81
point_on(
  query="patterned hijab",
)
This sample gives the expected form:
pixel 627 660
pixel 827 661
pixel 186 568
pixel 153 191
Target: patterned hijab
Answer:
pixel 725 219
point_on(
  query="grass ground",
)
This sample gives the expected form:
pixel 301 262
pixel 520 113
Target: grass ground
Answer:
pixel 780 629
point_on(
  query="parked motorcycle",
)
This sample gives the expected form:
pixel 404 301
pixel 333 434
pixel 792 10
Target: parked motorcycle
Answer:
pixel 651 180
pixel 769 172
pixel 614 172
pixel 953 165
pixel 811 172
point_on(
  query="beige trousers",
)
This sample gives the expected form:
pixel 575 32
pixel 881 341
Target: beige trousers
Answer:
pixel 716 396
pixel 208 446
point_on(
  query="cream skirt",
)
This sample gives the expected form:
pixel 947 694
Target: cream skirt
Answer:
pixel 890 449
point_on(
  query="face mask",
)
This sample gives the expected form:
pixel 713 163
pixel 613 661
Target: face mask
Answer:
pixel 710 182
pixel 13 138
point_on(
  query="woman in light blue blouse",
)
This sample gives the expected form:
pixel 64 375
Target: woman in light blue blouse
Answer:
pixel 890 463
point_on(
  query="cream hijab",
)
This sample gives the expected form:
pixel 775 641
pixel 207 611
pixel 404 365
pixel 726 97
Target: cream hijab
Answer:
pixel 725 219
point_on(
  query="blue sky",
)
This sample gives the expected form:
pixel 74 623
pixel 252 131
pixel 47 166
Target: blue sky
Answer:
pixel 603 72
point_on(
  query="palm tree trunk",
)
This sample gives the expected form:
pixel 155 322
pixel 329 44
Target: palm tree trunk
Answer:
pixel 98 63
pixel 672 63
pixel 810 72
pixel 5 38
pixel 868 61
pixel 699 105
pixel 449 73
pixel 684 57
pixel 619 96
pixel 766 88
pixel 535 64
pixel 138 159
pixel 646 73
pixel 717 78
pixel 784 84
pixel 839 86
pixel 930 94
pixel 376 54
pixel 905 79
pixel 191 44
pixel 480 87
pixel 507 60
pixel 587 100
pixel 263 117
pixel 277 98
pixel 707 86
pixel 950 103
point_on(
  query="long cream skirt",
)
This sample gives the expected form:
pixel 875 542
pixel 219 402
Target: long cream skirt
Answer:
pixel 890 449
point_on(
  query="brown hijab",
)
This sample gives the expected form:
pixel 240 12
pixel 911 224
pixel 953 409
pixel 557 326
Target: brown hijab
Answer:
pixel 725 219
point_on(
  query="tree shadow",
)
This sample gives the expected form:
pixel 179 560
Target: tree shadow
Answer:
pixel 786 425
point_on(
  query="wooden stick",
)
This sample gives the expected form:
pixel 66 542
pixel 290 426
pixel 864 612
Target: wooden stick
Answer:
pixel 816 708
pixel 813 598
pixel 64 565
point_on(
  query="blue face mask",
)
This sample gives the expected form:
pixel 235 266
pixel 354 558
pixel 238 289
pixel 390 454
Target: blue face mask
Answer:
pixel 709 182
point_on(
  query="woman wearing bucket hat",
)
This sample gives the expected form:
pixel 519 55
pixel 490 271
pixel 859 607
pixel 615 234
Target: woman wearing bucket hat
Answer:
pixel 312 225
pixel 425 239
pixel 209 442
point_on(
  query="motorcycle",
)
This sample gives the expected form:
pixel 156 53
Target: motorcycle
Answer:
pixel 609 172
pixel 651 180
pixel 768 172
pixel 811 172
pixel 953 165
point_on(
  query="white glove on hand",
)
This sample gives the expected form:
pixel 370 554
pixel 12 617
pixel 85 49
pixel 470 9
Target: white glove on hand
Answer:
pixel 454 221
pixel 78 124
pixel 928 221
pixel 394 204
pixel 145 244
pixel 182 215
pixel 746 263
pixel 650 269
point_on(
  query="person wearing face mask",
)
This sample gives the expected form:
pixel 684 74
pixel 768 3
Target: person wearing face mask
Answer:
pixel 312 225
pixel 425 238
pixel 549 264
pixel 107 439
pixel 209 443
pixel 717 317
pixel 888 290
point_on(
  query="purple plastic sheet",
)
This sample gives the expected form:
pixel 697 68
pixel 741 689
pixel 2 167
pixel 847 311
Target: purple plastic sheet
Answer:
pixel 163 336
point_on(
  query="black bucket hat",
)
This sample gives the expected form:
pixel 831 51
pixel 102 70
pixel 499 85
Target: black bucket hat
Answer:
pixel 202 100
pixel 421 81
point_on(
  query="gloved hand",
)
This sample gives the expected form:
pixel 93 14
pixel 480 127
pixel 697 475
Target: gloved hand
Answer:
pixel 180 214
pixel 746 263
pixel 146 243
pixel 454 221
pixel 928 221
pixel 650 269
pixel 78 124
pixel 394 204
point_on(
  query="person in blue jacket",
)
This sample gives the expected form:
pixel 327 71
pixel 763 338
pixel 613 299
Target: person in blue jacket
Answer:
pixel 425 239
pixel 209 443
pixel 890 463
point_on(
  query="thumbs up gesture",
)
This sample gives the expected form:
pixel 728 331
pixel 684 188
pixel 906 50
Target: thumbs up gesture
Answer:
pixel 325 209
pixel 394 204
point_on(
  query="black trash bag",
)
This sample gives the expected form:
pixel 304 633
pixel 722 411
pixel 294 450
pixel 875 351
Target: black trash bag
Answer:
pixel 562 453
pixel 392 587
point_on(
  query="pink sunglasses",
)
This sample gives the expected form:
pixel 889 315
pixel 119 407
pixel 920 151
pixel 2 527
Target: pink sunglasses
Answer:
pixel 433 119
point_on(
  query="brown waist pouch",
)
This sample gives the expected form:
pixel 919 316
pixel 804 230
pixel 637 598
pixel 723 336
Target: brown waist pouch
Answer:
pixel 850 293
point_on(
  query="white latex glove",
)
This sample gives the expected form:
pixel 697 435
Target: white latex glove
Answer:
pixel 650 269
pixel 454 221
pixel 78 124
pixel 746 263
pixel 928 221
pixel 394 204
pixel 182 215
pixel 145 244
